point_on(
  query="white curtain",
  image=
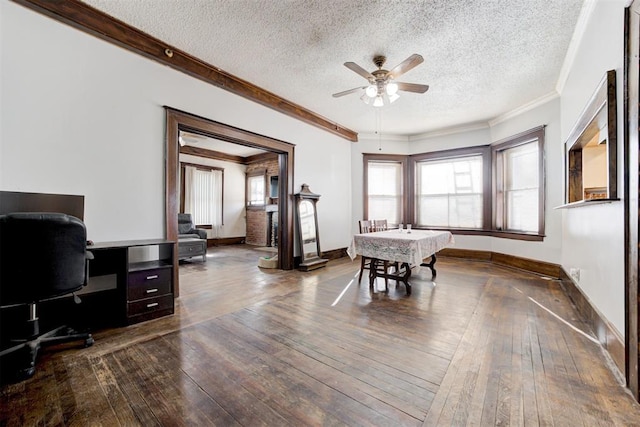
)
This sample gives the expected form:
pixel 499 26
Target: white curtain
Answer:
pixel 203 195
pixel 189 198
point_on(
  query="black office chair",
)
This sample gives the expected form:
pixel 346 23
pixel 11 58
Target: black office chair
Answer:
pixel 42 256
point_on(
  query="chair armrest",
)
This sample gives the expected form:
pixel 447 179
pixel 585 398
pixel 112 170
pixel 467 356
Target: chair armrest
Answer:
pixel 201 232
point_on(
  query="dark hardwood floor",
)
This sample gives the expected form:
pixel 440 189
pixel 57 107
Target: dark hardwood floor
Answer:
pixel 480 346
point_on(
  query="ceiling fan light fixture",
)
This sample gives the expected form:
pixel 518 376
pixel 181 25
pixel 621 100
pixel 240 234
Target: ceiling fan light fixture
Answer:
pixel 391 88
pixel 382 88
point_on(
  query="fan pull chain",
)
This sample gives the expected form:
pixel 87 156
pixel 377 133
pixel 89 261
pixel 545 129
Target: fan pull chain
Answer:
pixel 379 127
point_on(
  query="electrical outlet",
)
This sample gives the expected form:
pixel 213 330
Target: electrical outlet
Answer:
pixel 575 274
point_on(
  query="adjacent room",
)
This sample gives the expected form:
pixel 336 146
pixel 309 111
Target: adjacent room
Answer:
pixel 312 212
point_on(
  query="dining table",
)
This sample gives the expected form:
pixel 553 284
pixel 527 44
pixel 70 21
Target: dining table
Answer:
pixel 403 248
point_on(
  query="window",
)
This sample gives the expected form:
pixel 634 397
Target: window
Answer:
pixel 449 192
pixel 495 190
pixel 384 183
pixel 256 190
pixel 519 183
pixel 452 188
pixel 203 194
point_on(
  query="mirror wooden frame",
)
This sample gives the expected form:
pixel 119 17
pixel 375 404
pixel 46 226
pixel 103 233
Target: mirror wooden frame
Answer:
pixel 308 261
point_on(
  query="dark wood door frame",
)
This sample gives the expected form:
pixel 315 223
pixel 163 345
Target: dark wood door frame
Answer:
pixel 177 121
pixel 631 196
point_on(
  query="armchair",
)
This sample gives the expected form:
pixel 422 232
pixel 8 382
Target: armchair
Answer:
pixel 186 228
pixel 42 256
pixel 192 241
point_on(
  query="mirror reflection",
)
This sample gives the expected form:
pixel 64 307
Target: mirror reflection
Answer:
pixel 307 221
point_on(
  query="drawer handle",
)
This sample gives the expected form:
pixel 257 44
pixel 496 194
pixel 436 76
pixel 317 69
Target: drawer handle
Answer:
pixel 155 276
pixel 153 304
pixel 151 291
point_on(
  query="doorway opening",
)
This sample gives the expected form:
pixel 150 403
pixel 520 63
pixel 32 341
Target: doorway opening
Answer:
pixel 179 121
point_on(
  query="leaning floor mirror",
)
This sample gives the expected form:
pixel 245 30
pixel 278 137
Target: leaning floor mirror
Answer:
pixel 307 226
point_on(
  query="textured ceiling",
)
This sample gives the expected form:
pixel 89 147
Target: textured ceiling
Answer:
pixel 483 58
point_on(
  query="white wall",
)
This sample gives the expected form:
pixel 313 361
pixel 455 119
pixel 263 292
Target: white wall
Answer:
pixel 234 214
pixel 593 237
pixel 87 118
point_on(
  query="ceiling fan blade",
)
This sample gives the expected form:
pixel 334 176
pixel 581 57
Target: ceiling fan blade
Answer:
pixel 413 87
pixel 358 69
pixel 347 92
pixel 406 65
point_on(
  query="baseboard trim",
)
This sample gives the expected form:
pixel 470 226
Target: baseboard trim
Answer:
pixel 334 254
pixel 530 265
pixel 220 241
pixel 606 334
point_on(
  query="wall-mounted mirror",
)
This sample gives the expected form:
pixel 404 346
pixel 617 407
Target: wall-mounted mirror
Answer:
pixel 591 149
pixel 308 237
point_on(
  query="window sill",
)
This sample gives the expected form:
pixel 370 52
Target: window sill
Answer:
pixel 582 203
pixel 491 233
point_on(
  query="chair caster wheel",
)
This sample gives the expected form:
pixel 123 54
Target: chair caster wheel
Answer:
pixel 89 342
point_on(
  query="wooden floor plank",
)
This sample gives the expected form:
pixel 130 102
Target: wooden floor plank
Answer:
pixel 266 347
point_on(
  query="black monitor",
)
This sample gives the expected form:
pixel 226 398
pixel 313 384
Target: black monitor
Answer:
pixel 14 201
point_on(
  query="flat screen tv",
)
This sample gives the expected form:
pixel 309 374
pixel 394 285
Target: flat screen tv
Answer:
pixel 14 201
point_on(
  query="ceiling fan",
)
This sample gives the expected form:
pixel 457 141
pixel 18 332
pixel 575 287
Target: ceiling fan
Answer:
pixel 382 87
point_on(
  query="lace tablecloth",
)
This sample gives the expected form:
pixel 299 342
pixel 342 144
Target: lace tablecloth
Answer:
pixel 393 245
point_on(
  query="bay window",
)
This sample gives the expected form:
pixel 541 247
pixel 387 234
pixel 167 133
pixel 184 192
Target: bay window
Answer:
pixel 495 190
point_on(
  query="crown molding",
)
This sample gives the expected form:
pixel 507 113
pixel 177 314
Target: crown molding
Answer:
pixel 524 108
pixel 467 127
pixel 382 137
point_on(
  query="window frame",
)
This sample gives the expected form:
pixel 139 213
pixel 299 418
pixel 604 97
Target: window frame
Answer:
pixel 253 174
pixel 391 158
pixel 537 135
pixel 456 153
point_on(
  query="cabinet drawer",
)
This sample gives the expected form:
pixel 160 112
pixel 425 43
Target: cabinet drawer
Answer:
pixel 192 248
pixel 149 283
pixel 150 305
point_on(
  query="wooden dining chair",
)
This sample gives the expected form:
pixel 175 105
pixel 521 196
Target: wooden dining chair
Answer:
pixel 367 226
pixel 380 225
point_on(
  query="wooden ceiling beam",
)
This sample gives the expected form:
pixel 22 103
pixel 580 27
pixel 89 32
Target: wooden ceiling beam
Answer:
pixel 90 20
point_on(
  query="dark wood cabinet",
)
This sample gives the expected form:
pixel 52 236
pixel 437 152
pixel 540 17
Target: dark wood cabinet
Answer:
pixel 144 288
pixel 149 291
